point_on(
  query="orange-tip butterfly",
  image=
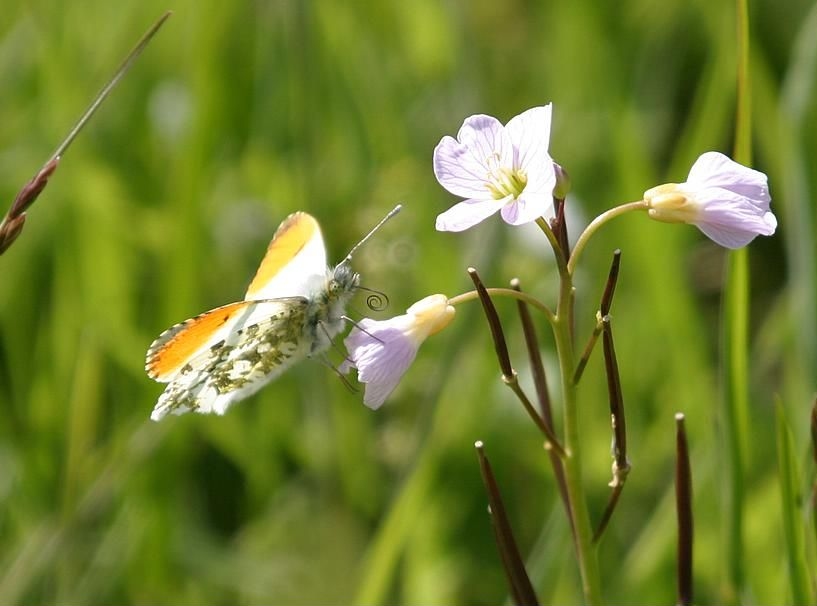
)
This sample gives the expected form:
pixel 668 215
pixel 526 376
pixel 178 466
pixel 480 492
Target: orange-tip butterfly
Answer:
pixel 292 310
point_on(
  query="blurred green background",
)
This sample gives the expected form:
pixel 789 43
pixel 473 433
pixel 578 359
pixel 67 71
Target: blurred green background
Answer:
pixel 242 112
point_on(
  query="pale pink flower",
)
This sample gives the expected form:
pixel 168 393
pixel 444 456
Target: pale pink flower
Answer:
pixel 497 168
pixel 727 201
pixel 382 350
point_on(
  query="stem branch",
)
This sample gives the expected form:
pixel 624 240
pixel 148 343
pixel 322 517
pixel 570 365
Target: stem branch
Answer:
pixel 583 536
pixel 505 292
pixel 594 226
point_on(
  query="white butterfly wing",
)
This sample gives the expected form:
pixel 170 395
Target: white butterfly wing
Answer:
pixel 295 262
pixel 226 354
pixel 254 342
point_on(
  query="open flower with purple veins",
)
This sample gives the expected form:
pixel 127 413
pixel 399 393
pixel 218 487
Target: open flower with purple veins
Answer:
pixel 505 169
pixel 727 201
pixel 382 350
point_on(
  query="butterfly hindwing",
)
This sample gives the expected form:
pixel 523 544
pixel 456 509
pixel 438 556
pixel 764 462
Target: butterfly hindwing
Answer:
pixel 263 339
pixel 295 261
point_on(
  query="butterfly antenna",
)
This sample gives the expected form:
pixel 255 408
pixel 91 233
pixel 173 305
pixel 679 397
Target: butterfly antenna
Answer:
pixel 393 212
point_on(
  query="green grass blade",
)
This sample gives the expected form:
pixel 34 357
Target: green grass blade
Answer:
pixel 793 529
pixel 735 337
pixel 735 368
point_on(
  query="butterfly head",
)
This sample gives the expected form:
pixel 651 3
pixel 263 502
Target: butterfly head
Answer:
pixel 340 284
pixel 342 280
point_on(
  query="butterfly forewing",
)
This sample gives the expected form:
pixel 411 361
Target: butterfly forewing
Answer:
pixel 265 338
pixel 295 261
pixel 182 342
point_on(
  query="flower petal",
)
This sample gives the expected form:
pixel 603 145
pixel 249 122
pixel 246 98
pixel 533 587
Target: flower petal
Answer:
pixel 468 213
pixel 713 169
pixel 458 171
pixel 730 219
pixel 728 237
pixel 382 352
pixel 541 181
pixel 381 379
pixel 462 165
pixel 530 135
pixel 528 208
pixel 486 138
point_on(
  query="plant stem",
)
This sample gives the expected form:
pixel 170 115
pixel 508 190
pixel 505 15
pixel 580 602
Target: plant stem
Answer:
pixel 106 90
pixel 472 295
pixel 596 223
pixel 559 254
pixel 585 550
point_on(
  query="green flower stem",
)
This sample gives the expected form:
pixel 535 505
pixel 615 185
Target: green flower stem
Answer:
pixel 557 248
pixel 588 349
pixel 562 321
pixel 595 224
pixel 585 550
pixel 551 441
pixel 506 292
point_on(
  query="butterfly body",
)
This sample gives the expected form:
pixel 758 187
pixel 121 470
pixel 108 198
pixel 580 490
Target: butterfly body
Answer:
pixel 292 310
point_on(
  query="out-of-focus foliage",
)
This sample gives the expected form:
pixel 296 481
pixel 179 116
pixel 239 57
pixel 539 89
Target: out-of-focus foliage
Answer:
pixel 242 112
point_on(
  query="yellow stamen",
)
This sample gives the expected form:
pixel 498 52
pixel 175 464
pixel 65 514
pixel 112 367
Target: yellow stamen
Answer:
pixel 503 181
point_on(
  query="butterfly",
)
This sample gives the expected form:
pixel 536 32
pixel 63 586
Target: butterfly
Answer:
pixel 292 310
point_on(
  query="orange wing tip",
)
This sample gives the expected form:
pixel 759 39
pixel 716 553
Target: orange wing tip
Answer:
pixel 178 345
pixel 290 238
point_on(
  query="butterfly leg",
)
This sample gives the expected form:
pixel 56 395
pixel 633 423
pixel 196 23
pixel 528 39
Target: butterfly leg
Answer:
pixel 324 359
pixel 360 328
